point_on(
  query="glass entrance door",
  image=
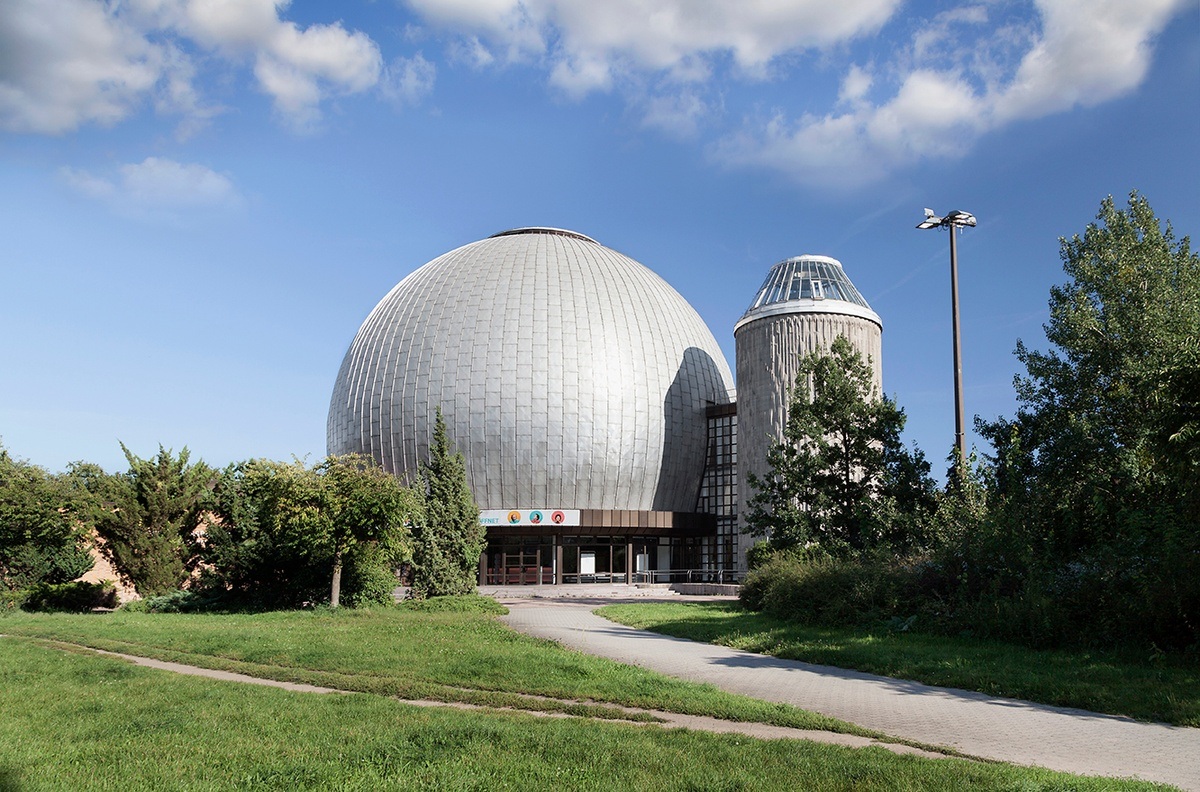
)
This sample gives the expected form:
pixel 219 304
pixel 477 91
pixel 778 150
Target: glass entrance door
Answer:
pixel 594 559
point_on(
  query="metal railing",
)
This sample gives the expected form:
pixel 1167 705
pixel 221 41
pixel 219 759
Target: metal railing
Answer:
pixel 655 576
pixel 518 576
pixel 686 576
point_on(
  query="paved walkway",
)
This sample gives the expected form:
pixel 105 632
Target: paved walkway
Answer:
pixel 976 724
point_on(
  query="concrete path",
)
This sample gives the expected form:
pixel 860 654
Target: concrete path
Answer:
pixel 212 673
pixel 1009 730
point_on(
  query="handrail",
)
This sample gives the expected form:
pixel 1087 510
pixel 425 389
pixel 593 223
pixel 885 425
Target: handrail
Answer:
pixel 529 576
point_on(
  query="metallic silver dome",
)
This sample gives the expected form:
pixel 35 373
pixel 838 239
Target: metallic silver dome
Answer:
pixel 570 376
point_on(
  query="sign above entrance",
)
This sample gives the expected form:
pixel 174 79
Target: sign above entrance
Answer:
pixel 567 517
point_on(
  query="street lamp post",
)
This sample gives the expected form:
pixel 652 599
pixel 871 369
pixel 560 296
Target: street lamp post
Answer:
pixel 954 221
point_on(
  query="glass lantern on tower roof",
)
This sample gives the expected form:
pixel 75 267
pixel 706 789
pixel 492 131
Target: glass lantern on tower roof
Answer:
pixel 808 283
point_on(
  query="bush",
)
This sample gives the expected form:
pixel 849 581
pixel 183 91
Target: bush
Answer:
pixel 765 564
pixel 370 577
pixel 462 603
pixel 753 591
pixel 75 597
pixel 12 600
pixel 839 591
pixel 180 601
pixel 759 554
pixel 28 565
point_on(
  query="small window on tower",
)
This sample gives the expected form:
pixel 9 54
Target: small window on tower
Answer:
pixel 818 291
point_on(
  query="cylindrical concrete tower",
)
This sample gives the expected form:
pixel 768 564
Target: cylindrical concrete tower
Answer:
pixel 803 305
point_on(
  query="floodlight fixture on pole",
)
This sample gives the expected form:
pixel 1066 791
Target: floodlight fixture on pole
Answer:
pixel 953 221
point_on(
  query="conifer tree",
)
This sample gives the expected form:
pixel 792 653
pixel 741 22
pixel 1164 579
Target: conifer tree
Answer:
pixel 449 539
pixel 148 516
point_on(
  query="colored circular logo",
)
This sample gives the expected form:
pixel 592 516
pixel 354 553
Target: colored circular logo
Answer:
pixel 535 517
pixel 514 517
pixel 557 517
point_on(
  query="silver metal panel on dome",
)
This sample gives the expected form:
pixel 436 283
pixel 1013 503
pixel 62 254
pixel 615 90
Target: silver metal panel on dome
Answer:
pixel 568 374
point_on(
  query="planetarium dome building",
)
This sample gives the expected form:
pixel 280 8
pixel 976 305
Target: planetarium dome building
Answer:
pixel 577 384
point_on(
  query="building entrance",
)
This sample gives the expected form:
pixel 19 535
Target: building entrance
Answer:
pixel 551 560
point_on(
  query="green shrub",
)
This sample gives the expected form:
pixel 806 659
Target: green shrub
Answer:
pixel 75 597
pixel 369 577
pixel 27 565
pixel 839 591
pixel 753 590
pixel 461 603
pixel 759 554
pixel 766 563
pixel 12 600
pixel 179 601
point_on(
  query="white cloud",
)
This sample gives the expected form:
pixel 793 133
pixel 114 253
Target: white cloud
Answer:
pixel 233 24
pixel 406 81
pixel 678 115
pixel 855 85
pixel 471 50
pixel 297 67
pixel 66 63
pixel 157 187
pixel 587 43
pixel 1086 52
pixel 1090 51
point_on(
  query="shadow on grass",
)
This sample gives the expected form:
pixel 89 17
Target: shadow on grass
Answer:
pixel 740 659
pixel 1080 683
pixel 10 780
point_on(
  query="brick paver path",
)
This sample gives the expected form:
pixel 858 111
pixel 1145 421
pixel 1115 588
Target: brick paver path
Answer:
pixel 977 724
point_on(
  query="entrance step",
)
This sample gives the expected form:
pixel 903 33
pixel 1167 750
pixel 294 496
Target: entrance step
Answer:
pixel 572 590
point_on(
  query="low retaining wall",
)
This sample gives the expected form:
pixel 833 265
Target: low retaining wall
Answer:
pixel 707 589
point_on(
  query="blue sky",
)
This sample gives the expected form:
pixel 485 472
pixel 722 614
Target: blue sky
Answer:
pixel 203 199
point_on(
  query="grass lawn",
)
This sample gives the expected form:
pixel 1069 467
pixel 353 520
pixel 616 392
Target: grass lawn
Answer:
pixel 1155 689
pixel 77 721
pixel 449 656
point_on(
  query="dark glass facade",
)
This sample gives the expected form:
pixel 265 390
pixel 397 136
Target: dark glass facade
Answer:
pixel 718 488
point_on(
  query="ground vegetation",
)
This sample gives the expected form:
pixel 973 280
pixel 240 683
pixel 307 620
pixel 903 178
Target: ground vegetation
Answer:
pixel 68 715
pixel 1125 681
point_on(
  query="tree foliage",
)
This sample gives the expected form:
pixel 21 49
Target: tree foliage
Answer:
pixel 448 541
pixel 42 536
pixel 1108 414
pixel 253 553
pixel 148 516
pixel 362 504
pixel 840 477
pixel 1100 468
pixel 1084 526
pixel 283 533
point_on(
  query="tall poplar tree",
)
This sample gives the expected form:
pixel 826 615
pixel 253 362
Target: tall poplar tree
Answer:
pixel 1099 472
